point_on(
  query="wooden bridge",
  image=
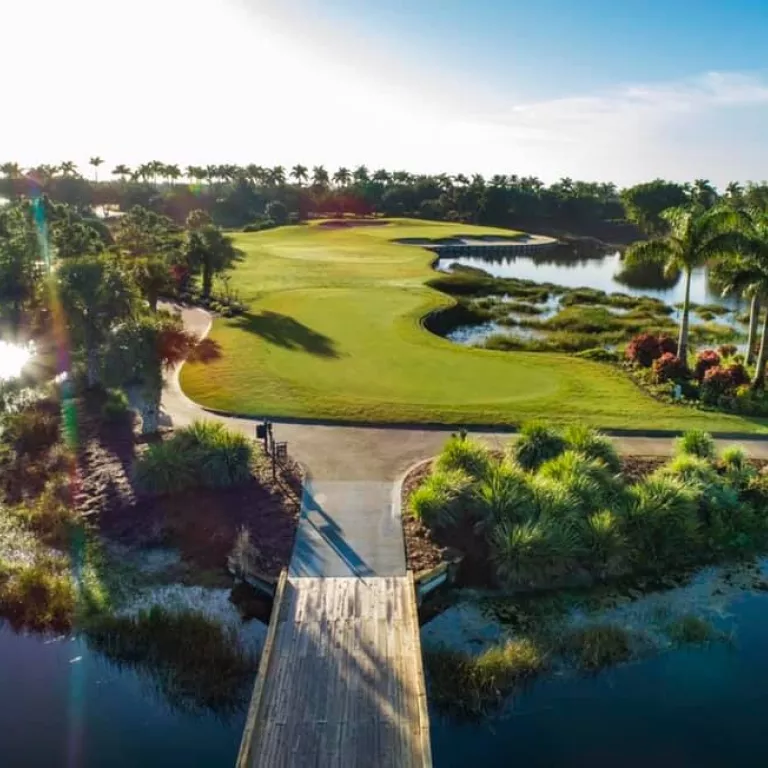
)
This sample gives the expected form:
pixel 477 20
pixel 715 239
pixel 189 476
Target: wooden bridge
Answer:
pixel 340 681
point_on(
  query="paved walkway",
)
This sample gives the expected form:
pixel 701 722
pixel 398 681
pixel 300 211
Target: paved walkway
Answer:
pixel 350 522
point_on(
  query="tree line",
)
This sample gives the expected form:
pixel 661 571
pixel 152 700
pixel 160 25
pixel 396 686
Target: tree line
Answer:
pixel 236 196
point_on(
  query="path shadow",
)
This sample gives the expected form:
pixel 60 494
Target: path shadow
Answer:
pixel 284 331
pixel 307 558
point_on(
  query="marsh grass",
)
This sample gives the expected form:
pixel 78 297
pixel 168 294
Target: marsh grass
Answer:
pixel 691 630
pixel 597 646
pixel 471 685
pixel 197 663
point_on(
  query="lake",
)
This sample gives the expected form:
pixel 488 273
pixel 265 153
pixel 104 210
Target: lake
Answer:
pixel 64 705
pixel 697 707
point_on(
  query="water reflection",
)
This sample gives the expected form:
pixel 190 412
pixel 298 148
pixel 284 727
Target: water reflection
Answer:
pixel 576 267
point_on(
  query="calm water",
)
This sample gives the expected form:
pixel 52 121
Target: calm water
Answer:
pixel 700 707
pixel 600 271
pixel 62 705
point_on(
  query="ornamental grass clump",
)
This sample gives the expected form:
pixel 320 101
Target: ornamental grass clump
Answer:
pixel 536 444
pixel 593 445
pixel 469 456
pixel 696 442
pixel 505 495
pixel 442 499
pixel 597 646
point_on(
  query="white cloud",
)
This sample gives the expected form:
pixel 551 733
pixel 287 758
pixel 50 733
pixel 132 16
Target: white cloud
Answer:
pixel 193 81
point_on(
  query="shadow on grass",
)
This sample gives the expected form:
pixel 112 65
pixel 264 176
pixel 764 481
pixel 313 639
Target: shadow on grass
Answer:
pixel 284 331
pixel 206 351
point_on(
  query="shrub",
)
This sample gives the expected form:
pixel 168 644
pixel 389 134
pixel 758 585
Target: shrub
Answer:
pixel 116 407
pixel 597 646
pixel 647 347
pixel 442 498
pixel 722 380
pixel 691 470
pixel 468 685
pixel 593 445
pixel 261 224
pixel 588 481
pixel 552 499
pixel 604 543
pixel 536 444
pixel 276 211
pixel 504 495
pixel 166 467
pixel 465 454
pixel 531 552
pixel 38 596
pixel 727 350
pixel 33 430
pixel 205 454
pixel 599 355
pixel 696 442
pixel 668 367
pixel 661 521
pixel 705 360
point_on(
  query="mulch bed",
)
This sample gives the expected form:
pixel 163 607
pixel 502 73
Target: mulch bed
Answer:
pixel 203 524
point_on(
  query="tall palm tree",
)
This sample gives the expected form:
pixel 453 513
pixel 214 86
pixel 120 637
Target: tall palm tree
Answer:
pixel 342 176
pixel 95 162
pixel 172 173
pixel 68 168
pixel 746 271
pixel 695 237
pixel 277 176
pixel 360 174
pixel 10 170
pixel 320 176
pixel 703 193
pixel 381 176
pixel 300 173
pixel 122 170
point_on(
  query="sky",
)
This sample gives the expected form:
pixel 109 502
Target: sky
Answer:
pixel 621 91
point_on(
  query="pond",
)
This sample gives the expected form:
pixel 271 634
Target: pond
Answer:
pixel 601 270
pixel 696 706
pixel 61 704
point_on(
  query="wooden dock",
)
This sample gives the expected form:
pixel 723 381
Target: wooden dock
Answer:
pixel 340 681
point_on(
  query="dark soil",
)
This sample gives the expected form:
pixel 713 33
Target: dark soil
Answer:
pixel 202 524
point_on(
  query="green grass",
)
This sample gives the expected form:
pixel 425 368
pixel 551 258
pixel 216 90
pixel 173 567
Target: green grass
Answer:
pixel 333 331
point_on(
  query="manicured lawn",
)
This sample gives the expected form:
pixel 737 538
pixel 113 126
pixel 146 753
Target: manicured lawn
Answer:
pixel 333 332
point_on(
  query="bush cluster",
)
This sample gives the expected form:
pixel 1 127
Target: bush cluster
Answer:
pixel 644 348
pixel 557 506
pixel 203 455
pixel 722 380
pixel 668 367
pixel 705 360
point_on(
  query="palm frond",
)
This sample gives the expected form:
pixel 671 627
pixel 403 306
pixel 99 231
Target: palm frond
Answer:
pixel 659 251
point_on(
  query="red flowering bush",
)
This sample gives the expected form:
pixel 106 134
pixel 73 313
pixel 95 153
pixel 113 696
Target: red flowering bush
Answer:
pixel 647 347
pixel 704 361
pixel 668 367
pixel 722 380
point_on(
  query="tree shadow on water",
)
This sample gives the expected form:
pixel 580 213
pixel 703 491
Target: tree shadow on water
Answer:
pixel 285 331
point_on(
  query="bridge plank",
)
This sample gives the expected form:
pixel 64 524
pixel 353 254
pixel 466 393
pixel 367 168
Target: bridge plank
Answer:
pixel 344 682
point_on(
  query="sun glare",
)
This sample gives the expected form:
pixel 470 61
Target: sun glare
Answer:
pixel 12 359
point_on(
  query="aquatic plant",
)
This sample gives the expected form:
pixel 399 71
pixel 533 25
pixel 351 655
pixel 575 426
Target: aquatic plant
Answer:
pixel 596 646
pixel 195 661
pixel 690 630
pixel 471 685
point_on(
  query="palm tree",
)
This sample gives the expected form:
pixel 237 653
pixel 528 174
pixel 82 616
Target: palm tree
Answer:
pixel 401 177
pixel 461 179
pixel 172 173
pixel 382 176
pixel 68 168
pixel 123 171
pixel 342 176
pixel 96 296
pixel 696 236
pixel 703 193
pixel 209 251
pixel 11 170
pixel 746 271
pixel 499 181
pixel 360 174
pixel 299 173
pixel 95 162
pixel 277 176
pixel 320 176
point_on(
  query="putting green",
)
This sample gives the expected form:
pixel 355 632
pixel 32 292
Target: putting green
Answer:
pixel 333 332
